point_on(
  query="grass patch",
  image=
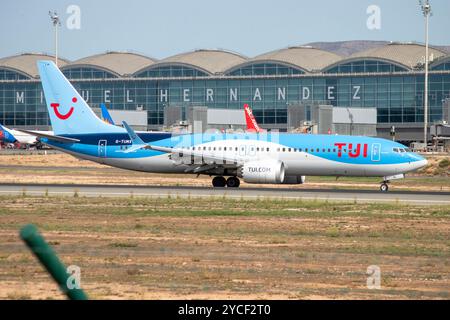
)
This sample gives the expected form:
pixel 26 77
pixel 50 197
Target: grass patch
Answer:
pixel 123 245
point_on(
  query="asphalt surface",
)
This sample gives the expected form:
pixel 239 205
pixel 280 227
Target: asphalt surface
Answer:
pixel 424 198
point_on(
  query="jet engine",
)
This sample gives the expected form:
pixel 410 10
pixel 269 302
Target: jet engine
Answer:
pixel 294 180
pixel 264 171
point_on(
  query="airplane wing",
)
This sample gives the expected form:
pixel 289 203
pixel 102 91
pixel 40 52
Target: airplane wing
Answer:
pixel 49 136
pixel 206 159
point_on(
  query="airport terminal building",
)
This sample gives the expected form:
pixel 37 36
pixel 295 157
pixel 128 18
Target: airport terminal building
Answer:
pixel 388 79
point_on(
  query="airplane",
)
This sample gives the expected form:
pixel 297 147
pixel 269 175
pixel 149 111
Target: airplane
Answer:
pixel 16 136
pixel 106 116
pixel 270 158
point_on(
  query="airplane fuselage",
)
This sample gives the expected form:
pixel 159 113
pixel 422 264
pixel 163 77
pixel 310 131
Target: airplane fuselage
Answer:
pixel 301 154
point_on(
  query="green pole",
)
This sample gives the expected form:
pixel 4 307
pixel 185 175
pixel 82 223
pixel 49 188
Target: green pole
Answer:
pixel 48 258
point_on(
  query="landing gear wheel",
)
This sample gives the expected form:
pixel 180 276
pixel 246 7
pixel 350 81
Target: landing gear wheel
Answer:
pixel 233 182
pixel 384 187
pixel 219 182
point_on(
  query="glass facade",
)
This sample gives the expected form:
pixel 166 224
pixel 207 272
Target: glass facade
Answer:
pixel 442 66
pixel 87 73
pixel 398 96
pixel 261 69
pixel 11 75
pixel 171 71
pixel 366 66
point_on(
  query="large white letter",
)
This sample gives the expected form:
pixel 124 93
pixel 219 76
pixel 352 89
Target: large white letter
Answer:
pixel 128 96
pixel 331 93
pixel 85 95
pixel 305 93
pixel 209 95
pixel 19 97
pixel 107 93
pixel 281 93
pixel 233 94
pixel 186 95
pixel 163 95
pixel 257 95
pixel 356 95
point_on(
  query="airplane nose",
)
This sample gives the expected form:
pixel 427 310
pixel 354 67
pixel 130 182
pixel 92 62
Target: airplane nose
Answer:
pixel 420 164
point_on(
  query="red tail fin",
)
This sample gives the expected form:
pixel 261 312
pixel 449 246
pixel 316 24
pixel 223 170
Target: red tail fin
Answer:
pixel 252 125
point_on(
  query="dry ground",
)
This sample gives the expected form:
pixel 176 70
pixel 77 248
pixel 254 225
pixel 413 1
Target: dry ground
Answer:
pixel 169 248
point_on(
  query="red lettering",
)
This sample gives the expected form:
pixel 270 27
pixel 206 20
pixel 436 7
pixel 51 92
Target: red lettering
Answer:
pixel 350 150
pixel 365 150
pixel 340 146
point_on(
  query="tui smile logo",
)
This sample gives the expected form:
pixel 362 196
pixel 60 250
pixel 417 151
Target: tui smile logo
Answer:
pixel 66 116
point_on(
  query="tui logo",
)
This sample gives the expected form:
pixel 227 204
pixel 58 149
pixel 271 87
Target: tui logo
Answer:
pixel 66 116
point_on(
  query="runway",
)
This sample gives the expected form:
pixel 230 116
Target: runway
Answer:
pixel 361 196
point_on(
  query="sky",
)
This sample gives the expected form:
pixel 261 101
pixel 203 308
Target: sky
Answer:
pixel 250 27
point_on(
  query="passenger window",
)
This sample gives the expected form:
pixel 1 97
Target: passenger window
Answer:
pixel 268 149
pixel 289 149
pixel 284 149
pixel 306 149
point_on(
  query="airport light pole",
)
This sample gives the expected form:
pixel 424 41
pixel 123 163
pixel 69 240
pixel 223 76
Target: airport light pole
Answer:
pixel 56 23
pixel 426 10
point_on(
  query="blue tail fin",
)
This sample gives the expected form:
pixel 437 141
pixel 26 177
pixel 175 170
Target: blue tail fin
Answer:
pixel 105 114
pixel 6 136
pixel 69 113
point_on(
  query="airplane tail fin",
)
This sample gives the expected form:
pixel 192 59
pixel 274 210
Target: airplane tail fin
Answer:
pixel 106 116
pixel 69 113
pixel 6 136
pixel 252 125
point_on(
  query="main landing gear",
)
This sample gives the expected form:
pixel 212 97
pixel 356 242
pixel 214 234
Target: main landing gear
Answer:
pixel 384 187
pixel 221 182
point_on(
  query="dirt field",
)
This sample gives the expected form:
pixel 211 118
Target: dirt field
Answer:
pixel 62 168
pixel 134 248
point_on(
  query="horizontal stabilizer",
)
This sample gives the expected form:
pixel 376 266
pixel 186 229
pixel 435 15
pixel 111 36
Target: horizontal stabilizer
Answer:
pixel 49 136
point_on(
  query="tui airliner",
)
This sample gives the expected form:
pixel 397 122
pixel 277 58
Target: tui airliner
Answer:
pixel 260 158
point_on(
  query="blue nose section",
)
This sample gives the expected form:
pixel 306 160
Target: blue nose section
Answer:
pixel 417 161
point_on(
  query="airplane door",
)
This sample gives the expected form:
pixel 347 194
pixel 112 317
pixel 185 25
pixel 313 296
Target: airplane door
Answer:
pixel 102 148
pixel 376 152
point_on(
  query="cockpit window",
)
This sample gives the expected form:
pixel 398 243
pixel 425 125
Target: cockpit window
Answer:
pixel 407 149
pixel 402 150
pixel 395 150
